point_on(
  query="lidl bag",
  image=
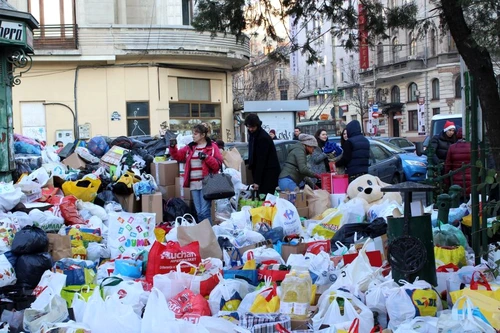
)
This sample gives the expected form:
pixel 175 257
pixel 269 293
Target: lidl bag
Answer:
pixel 267 301
pixel 129 231
pixel 164 258
pixel 84 189
pixel 450 255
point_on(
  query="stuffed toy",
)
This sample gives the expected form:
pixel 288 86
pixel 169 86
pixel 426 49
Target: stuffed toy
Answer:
pixel 368 187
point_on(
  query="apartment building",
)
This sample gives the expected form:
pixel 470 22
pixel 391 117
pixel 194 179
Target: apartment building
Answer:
pixel 123 67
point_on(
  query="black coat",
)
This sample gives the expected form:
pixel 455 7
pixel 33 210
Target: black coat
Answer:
pixel 440 143
pixel 356 153
pixel 264 161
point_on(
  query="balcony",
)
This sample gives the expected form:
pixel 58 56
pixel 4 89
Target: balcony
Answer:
pixel 56 37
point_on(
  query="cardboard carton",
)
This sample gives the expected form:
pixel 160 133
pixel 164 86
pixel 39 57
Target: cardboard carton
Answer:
pixel 152 203
pixel 298 199
pixel 167 192
pixel 303 212
pixel 180 191
pixel 165 172
pixel 129 203
pixel 74 161
pixel 112 157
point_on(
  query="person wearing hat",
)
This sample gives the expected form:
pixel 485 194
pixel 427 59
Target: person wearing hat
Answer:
pixel 272 134
pixel 356 155
pixel 262 156
pixel 295 168
pixel 459 154
pixel 440 143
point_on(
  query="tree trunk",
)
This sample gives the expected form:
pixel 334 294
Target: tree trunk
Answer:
pixel 478 60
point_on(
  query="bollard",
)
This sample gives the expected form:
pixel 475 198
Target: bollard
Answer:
pixel 455 193
pixel 443 205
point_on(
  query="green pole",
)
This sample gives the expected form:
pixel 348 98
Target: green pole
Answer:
pixel 476 239
pixel 7 163
pixel 484 216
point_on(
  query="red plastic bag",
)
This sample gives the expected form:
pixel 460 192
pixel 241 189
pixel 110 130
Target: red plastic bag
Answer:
pixel 189 306
pixel 164 258
pixel 66 208
pixel 317 246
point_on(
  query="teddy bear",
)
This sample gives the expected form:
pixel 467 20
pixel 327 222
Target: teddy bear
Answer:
pixel 366 191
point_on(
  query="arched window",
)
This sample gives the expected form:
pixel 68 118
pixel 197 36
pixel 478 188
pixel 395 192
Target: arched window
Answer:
pixel 435 89
pixel 413 44
pixel 458 87
pixel 395 49
pixel 378 96
pixel 433 42
pixel 395 95
pixel 412 92
pixel 380 54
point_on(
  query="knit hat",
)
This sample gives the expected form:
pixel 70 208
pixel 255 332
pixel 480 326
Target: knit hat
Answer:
pixel 272 131
pixel 308 140
pixel 448 125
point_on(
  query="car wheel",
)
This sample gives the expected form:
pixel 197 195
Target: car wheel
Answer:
pixel 395 179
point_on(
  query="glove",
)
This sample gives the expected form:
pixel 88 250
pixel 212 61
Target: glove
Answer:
pixel 202 155
pixel 173 142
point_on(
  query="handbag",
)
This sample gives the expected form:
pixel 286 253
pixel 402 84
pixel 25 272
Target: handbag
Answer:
pixel 217 186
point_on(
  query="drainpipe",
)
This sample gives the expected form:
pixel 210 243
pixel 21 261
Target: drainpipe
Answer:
pixel 75 95
pixel 75 122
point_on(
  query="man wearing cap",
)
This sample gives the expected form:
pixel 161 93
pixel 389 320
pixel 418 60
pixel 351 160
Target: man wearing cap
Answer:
pixel 272 134
pixel 295 168
pixel 356 155
pixel 440 143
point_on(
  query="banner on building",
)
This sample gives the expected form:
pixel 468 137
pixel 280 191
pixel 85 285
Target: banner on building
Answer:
pixel 421 116
pixel 294 56
pixel 363 39
pixel 369 126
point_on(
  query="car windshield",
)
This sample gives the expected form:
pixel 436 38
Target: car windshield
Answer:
pixel 390 147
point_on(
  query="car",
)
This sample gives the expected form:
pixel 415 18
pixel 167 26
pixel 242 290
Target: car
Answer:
pixel 402 143
pixel 281 149
pixel 414 166
pixel 384 163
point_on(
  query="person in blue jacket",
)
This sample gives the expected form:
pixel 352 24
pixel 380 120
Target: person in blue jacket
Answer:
pixel 356 155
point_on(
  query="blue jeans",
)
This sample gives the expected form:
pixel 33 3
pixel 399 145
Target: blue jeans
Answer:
pixel 202 206
pixel 287 184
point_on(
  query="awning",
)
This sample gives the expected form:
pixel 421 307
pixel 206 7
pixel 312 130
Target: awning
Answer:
pixel 387 108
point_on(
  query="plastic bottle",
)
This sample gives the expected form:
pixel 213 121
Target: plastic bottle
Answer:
pixel 296 291
pixel 289 292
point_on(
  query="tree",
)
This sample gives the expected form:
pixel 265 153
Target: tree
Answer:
pixel 474 26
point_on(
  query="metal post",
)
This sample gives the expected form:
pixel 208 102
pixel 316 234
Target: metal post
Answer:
pixel 455 194
pixel 475 236
pixel 484 216
pixel 443 204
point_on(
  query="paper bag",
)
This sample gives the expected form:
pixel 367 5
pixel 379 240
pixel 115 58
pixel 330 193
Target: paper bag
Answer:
pixel 59 246
pixel 232 159
pixel 202 233
pixel 318 200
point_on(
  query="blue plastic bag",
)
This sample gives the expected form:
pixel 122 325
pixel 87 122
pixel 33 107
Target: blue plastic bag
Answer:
pixel 128 267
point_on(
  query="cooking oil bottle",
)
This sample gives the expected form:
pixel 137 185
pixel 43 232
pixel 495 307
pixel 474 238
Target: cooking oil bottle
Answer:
pixel 296 291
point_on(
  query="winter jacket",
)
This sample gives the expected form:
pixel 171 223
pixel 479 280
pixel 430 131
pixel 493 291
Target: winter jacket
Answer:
pixel 317 161
pixel 211 164
pixel 356 153
pixel 459 153
pixel 296 164
pixel 264 161
pixel 439 145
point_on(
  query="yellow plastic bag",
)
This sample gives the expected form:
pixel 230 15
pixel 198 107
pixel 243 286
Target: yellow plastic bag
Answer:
pixel 267 301
pixel 450 255
pixel 250 263
pixel 488 306
pixel 160 234
pixel 479 284
pixel 84 189
pixel 262 215
pixel 328 223
pixel 68 292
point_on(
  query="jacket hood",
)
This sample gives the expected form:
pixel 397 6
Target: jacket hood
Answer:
pixel 295 146
pixel 353 128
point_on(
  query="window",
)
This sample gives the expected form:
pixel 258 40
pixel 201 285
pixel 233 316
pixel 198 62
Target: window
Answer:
pixel 380 54
pixel 435 89
pixel 57 24
pixel 378 96
pixel 342 70
pixel 458 86
pixel 395 95
pixel 433 42
pixel 412 120
pixel 412 92
pixel 413 44
pixel 378 153
pixel 183 116
pixel 435 111
pixel 395 49
pixel 54 12
pixel 283 95
pixel 193 89
pixel 138 118
pixel 186 12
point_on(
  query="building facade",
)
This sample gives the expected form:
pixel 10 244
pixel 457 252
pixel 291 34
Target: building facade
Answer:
pixel 123 67
pixel 409 77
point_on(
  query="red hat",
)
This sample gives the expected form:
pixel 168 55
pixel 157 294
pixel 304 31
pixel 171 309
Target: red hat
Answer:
pixel 448 125
pixel 272 131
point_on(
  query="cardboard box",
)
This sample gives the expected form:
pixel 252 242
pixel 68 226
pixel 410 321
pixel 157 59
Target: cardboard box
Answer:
pixel 180 191
pixel 112 157
pixel 287 249
pixel 74 161
pixel 303 212
pixel 167 192
pixel 297 198
pixel 152 203
pixel 303 324
pixel 129 203
pixel 165 172
pixel 246 174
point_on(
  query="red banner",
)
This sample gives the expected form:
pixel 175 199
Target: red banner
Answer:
pixel 363 39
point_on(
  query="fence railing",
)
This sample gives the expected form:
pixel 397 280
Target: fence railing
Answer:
pixel 56 36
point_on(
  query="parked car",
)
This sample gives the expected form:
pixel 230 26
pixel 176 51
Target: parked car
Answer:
pixel 384 163
pixel 414 166
pixel 402 143
pixel 281 149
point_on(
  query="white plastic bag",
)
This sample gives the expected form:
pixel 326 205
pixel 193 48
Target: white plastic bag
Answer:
pixel 10 196
pixel 321 268
pixel 96 251
pixel 376 301
pixel 174 282
pixel 353 211
pixel 46 220
pixel 462 320
pixel 287 217
pixel 264 253
pixel 68 327
pixel 418 325
pixel 329 312
pixel 226 290
pixel 130 231
pixel 94 209
pixel 8 276
pixel 79 304
pixel 49 307
pixel 52 280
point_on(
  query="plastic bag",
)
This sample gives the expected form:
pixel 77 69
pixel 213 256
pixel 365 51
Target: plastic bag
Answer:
pixel 84 189
pixel 189 306
pixel 30 239
pixel 10 196
pixel 98 146
pixel 466 319
pixel 228 294
pixel 173 208
pixel 172 283
pixel 85 155
pixel 157 317
pixel 8 275
pixel 46 221
pixel 48 308
pixel 30 268
pixel 353 211
pixel 266 301
pixel 287 217
pixel 375 299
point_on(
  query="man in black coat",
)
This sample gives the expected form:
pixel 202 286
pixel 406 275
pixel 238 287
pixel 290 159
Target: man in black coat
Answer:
pixel 356 155
pixel 262 157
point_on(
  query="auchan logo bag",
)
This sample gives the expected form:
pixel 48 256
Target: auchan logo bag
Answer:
pixel 164 258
